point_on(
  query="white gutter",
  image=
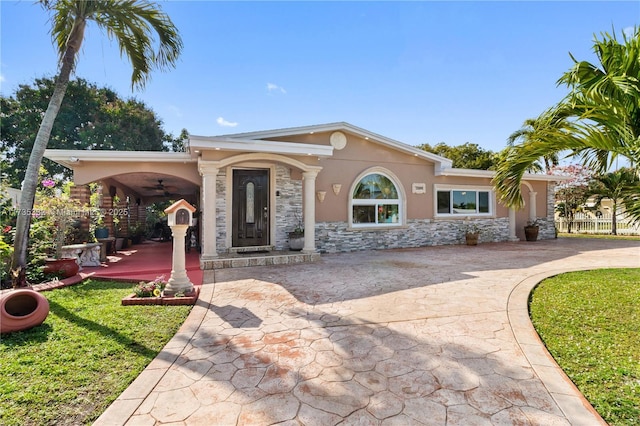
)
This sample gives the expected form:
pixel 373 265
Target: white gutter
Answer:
pixel 490 174
pixel 72 158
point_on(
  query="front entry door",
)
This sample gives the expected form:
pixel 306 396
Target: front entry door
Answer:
pixel 250 208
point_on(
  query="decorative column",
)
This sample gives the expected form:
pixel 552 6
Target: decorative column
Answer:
pixel 532 205
pixel 309 207
pixel 209 173
pixel 512 224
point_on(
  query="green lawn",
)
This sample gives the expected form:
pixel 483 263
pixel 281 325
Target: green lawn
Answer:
pixel 600 236
pixel 90 348
pixel 590 323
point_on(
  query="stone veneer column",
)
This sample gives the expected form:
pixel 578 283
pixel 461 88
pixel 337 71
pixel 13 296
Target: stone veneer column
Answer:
pixel 309 206
pixel 209 173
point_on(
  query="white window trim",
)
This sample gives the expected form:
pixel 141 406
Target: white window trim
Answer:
pixel 441 187
pixel 402 200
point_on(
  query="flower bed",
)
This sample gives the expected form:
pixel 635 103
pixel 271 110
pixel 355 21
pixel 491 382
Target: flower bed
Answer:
pixel 150 293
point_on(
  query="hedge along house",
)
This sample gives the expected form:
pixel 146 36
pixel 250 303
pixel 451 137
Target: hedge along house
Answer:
pixel 349 188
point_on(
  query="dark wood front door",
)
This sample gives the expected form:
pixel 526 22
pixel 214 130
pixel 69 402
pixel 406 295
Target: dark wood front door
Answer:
pixel 250 208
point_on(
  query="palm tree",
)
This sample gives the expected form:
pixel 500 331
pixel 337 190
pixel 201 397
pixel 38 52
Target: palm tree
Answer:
pixel 617 186
pixel 136 25
pixel 598 121
pixel 532 129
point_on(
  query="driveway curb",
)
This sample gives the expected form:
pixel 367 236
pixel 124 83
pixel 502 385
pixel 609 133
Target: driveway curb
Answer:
pixel 569 399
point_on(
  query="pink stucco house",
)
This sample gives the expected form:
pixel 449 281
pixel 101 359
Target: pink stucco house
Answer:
pixel 349 188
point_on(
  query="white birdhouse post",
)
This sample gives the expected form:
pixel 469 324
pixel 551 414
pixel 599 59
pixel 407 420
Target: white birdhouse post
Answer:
pixel 179 216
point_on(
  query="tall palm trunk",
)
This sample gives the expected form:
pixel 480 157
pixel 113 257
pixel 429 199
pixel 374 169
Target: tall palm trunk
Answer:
pixel 614 217
pixel 23 223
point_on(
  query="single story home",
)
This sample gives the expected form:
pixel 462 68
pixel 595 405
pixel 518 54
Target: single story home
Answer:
pixel 349 188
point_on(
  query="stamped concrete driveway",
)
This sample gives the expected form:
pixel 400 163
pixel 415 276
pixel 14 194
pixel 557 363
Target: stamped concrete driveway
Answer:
pixel 433 336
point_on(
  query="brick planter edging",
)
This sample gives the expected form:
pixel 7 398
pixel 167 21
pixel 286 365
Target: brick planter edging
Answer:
pixel 189 299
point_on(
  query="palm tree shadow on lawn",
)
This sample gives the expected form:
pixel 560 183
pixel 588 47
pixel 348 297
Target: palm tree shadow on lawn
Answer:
pixel 91 326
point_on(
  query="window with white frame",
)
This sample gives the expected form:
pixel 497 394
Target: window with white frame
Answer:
pixel 472 201
pixel 376 201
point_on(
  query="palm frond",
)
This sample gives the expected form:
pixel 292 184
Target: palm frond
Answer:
pixel 145 34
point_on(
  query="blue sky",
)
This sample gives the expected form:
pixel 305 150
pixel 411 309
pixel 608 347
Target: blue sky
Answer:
pixel 417 72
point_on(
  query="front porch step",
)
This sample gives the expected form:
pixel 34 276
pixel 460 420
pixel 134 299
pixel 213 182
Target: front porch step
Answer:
pixel 237 260
pixel 250 249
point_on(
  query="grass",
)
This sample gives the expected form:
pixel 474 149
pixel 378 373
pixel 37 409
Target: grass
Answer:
pixel 89 349
pixel 600 236
pixel 589 322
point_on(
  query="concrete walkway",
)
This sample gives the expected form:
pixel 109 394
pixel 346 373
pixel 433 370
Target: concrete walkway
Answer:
pixel 433 336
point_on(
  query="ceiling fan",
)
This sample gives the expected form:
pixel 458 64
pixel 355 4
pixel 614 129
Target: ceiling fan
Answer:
pixel 161 188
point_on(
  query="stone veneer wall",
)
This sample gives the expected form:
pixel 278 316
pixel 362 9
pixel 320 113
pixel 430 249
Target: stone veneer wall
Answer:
pixel 221 211
pixel 288 206
pixel 335 237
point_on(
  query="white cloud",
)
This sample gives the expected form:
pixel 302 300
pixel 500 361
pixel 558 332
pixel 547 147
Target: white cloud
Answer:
pixel 2 79
pixel 275 88
pixel 629 32
pixel 174 110
pixel 224 123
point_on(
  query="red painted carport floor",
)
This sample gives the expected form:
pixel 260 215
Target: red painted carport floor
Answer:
pixel 144 262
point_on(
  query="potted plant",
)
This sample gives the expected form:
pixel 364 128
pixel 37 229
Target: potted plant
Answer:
pixel 119 225
pixel 471 235
pixel 96 213
pixel 101 232
pixel 296 237
pixel 118 234
pixel 531 230
pixel 138 233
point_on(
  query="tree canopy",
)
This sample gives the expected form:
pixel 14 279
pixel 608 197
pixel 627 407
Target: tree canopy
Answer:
pixel 90 117
pixel 465 156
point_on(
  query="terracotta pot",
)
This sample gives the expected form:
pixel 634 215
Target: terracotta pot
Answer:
pixel 22 309
pixel 472 238
pixel 65 267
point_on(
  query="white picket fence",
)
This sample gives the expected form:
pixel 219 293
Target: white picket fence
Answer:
pixel 587 224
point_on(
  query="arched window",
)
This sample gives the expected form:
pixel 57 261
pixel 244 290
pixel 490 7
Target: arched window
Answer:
pixel 376 201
